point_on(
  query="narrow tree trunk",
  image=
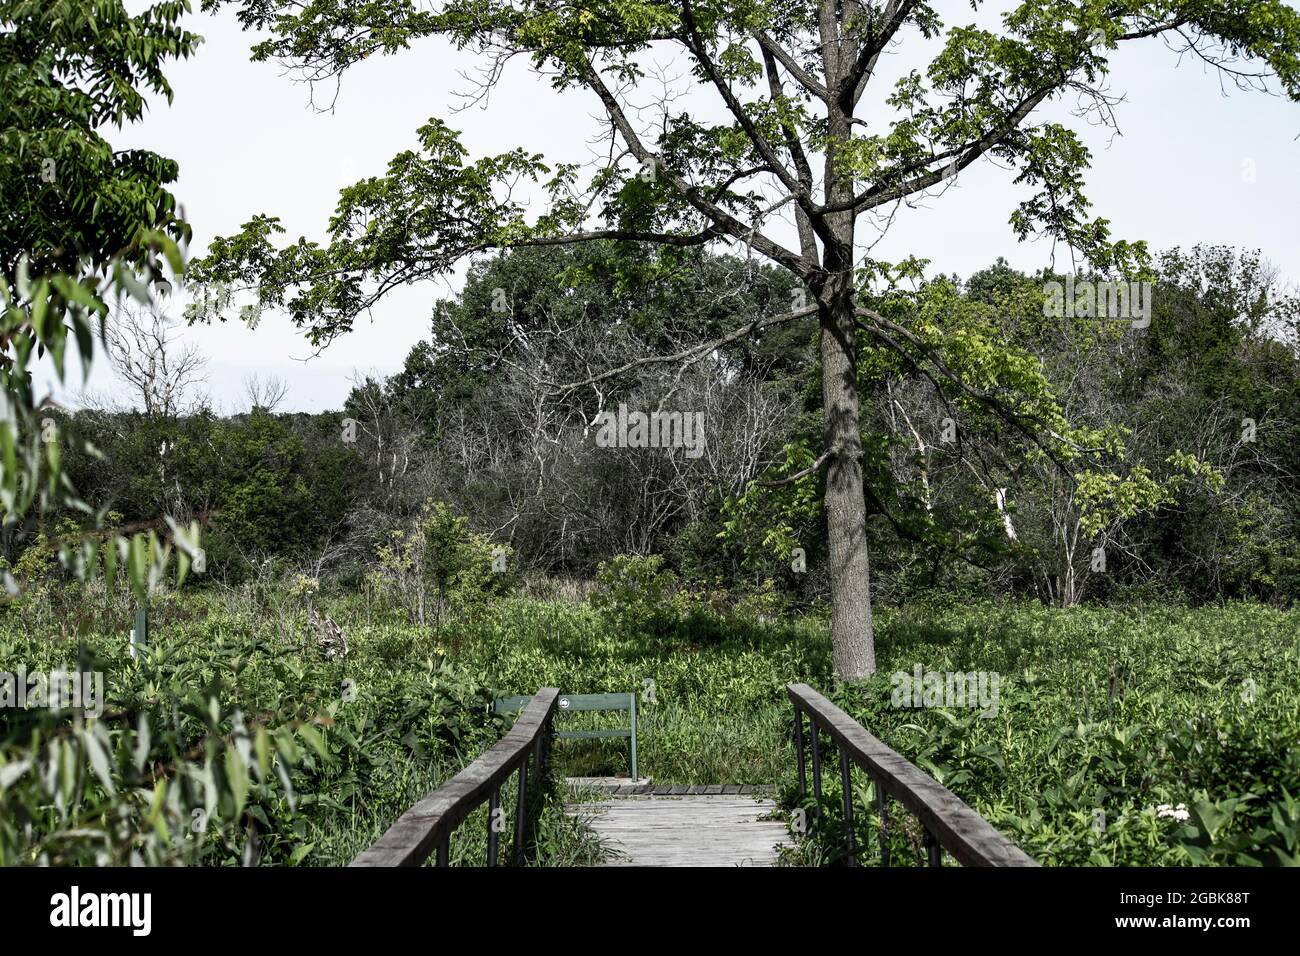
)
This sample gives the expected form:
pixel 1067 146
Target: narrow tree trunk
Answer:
pixel 853 646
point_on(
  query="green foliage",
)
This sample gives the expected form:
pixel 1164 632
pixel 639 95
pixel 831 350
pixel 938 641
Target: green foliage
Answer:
pixel 1135 715
pixel 975 97
pixel 770 524
pixel 224 746
pixel 85 223
pixel 763 603
pixel 1153 737
pixel 634 593
pixel 440 551
pixel 457 560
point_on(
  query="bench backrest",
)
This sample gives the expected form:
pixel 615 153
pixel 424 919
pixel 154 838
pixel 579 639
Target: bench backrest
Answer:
pixel 572 703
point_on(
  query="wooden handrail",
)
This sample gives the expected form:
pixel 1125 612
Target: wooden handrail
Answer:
pixel 429 824
pixel 971 839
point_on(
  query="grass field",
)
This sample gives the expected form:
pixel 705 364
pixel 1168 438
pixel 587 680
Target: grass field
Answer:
pixel 1103 717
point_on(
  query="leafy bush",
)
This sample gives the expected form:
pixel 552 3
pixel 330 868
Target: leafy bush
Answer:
pixel 761 604
pixel 441 552
pixel 224 745
pixel 634 594
pixel 1175 727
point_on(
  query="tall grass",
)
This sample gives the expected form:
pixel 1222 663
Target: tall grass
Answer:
pixel 1104 714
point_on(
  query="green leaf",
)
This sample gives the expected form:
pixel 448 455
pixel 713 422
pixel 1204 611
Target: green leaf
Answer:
pixel 314 740
pixel 95 750
pixel 300 853
pixel 237 777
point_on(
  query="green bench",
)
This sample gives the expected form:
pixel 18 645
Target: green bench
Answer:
pixel 572 703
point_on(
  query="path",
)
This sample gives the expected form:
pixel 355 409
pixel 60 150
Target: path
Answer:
pixel 702 825
pixel 694 829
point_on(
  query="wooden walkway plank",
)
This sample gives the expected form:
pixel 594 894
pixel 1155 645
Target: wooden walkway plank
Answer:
pixel 710 830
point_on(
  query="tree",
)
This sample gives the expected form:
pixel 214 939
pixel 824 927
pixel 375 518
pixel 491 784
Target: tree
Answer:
pixel 142 343
pixel 516 455
pixel 80 221
pixel 267 393
pixel 796 139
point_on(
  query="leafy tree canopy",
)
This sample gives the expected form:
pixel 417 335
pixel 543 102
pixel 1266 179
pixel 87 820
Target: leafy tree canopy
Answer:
pixel 83 222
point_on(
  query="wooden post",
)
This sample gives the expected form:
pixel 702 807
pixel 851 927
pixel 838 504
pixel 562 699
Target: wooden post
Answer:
pixel 933 851
pixel 493 805
pixel 426 828
pixel 817 766
pixel 951 827
pixel 632 698
pixel 882 805
pixel 538 744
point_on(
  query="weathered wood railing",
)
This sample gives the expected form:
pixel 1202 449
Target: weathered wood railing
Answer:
pixel 947 822
pixel 429 824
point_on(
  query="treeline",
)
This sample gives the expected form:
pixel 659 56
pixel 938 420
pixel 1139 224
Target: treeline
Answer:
pixel 497 416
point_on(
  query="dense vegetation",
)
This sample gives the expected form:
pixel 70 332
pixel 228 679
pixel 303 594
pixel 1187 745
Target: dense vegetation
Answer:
pixel 1196 494
pixel 1147 736
pixel 472 541
pixel 1105 514
pixel 1176 725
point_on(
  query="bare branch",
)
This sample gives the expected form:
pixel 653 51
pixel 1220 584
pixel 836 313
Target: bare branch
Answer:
pixel 806 79
pixel 693 354
pixel 143 348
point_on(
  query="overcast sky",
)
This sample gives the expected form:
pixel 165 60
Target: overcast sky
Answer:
pixel 1191 165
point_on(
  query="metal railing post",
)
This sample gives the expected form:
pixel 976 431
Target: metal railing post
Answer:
pixel 846 782
pixel 493 805
pixel 799 754
pixel 882 806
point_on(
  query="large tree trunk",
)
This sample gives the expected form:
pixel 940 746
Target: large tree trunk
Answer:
pixel 852 640
pixel 853 646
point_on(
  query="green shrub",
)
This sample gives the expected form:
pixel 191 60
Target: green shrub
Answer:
pixel 635 594
pixel 1141 716
pixel 761 604
pixel 441 565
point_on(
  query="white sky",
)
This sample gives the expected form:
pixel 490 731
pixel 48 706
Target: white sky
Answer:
pixel 248 142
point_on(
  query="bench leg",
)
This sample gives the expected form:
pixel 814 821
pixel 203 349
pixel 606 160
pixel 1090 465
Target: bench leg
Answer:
pixel 635 778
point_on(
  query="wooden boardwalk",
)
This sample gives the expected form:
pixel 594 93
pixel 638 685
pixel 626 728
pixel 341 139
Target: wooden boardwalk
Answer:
pixel 691 830
pixel 689 825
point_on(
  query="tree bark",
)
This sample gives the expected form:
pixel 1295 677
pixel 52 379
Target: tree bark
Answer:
pixel 852 639
pixel 853 649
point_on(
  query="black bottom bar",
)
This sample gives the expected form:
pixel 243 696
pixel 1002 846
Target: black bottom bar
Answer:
pixel 1016 905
